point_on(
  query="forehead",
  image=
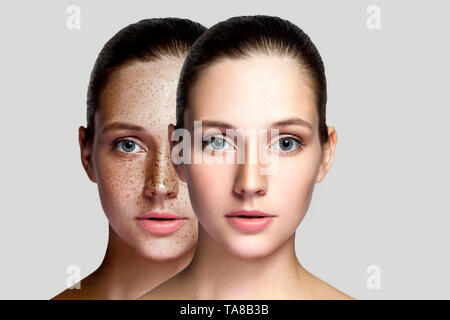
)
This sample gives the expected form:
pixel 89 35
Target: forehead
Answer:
pixel 141 92
pixel 253 92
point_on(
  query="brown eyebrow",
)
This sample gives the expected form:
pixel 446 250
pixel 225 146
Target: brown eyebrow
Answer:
pixel 278 124
pixel 292 121
pixel 216 124
pixel 122 125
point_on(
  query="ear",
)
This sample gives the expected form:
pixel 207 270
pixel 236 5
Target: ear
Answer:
pixel 86 152
pixel 327 154
pixel 179 168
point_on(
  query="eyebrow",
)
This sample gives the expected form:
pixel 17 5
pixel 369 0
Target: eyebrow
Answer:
pixel 122 125
pixel 216 124
pixel 292 121
pixel 278 124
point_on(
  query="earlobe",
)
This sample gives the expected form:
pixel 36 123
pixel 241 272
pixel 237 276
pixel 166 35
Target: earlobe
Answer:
pixel 178 167
pixel 327 154
pixel 86 152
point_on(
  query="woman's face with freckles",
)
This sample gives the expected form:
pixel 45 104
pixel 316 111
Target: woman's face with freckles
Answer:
pixel 131 163
pixel 258 92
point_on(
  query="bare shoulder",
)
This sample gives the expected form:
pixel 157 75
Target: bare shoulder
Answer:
pixel 172 289
pixel 321 290
pixel 328 292
pixel 88 289
pixel 158 293
pixel 74 294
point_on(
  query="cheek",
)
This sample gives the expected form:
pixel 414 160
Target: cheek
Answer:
pixel 294 183
pixel 182 203
pixel 209 187
pixel 119 182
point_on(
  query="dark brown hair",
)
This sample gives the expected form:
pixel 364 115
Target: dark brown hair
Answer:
pixel 145 40
pixel 240 37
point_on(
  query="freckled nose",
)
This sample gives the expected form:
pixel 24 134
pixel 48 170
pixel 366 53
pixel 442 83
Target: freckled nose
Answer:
pixel 162 180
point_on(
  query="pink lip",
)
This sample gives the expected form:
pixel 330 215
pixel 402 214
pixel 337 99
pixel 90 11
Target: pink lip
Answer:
pixel 249 221
pixel 160 222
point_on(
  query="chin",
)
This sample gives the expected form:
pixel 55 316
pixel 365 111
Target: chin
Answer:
pixel 251 249
pixel 163 254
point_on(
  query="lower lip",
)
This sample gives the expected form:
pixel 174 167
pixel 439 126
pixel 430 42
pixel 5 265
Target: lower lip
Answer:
pixel 160 226
pixel 249 224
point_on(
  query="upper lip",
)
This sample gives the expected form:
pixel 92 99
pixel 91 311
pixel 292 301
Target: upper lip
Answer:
pixel 160 215
pixel 249 213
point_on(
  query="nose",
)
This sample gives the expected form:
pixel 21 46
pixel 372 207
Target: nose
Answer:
pixel 249 182
pixel 162 181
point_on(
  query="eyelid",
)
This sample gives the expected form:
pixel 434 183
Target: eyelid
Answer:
pixel 115 143
pixel 222 136
pixel 300 143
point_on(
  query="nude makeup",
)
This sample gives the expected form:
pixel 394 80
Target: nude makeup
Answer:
pixel 249 221
pixel 160 222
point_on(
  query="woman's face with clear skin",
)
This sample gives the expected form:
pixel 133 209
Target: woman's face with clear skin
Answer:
pixel 255 93
pixel 130 160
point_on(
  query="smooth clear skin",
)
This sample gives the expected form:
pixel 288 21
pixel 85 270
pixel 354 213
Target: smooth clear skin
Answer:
pixel 136 177
pixel 253 93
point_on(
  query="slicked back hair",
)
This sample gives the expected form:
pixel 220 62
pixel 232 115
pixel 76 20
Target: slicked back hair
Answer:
pixel 240 37
pixel 146 40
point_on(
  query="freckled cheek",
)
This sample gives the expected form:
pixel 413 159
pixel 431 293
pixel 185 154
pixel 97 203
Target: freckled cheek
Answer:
pixel 120 182
pixel 182 202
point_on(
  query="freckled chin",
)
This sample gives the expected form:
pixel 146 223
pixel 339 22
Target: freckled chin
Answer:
pixel 170 247
pixel 151 246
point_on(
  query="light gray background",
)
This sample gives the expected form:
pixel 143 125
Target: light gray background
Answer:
pixel 384 201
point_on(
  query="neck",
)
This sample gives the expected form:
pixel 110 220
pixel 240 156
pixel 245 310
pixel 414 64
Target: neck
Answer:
pixel 217 274
pixel 124 274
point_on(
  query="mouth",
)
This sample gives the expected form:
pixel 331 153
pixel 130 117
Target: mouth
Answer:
pixel 249 221
pixel 160 223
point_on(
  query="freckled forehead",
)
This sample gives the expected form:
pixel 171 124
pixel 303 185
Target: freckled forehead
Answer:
pixel 142 92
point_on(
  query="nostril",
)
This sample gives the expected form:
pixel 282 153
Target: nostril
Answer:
pixel 161 191
pixel 250 191
pixel 172 194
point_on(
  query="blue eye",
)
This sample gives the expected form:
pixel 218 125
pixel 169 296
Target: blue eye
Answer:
pixel 128 146
pixel 217 143
pixel 288 144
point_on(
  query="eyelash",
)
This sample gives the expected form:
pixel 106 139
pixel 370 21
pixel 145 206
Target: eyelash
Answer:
pixel 299 141
pixel 207 140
